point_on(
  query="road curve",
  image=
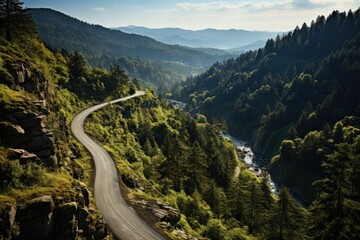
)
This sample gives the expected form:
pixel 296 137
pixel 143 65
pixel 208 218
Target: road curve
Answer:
pixel 123 221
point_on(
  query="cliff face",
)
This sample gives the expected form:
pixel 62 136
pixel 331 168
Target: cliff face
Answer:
pixel 48 217
pixel 40 197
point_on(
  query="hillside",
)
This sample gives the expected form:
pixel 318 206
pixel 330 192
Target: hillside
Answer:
pixel 161 63
pixel 175 170
pixel 206 38
pixel 295 99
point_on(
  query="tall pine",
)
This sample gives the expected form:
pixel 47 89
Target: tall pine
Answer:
pixel 335 213
pixel 15 20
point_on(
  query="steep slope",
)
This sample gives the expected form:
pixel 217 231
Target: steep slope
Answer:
pixel 102 47
pixel 206 38
pixel 304 81
pixel 169 162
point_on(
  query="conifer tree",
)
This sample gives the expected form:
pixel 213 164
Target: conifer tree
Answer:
pixel 197 167
pixel 15 20
pixel 335 212
pixel 288 217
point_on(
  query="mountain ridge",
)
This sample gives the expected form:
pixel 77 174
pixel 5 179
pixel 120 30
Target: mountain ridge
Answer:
pixel 209 37
pixel 103 47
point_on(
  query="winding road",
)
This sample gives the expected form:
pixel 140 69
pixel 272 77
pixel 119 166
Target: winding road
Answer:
pixel 123 221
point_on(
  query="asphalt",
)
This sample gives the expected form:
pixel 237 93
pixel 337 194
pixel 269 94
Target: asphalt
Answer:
pixel 122 219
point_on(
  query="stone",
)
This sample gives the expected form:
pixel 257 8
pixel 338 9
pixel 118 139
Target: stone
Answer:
pixel 82 213
pixel 17 141
pixel 165 225
pixel 86 193
pixel 29 157
pixel 14 154
pixel 45 153
pixel 24 115
pixel 65 223
pixel 101 232
pixel 22 73
pixel 33 123
pixel 40 143
pixel 159 213
pixel 51 161
pixel 9 129
pixel 164 212
pixel 36 218
pixel 7 218
pixel 36 133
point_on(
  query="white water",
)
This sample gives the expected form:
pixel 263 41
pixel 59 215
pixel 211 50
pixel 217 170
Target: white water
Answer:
pixel 248 156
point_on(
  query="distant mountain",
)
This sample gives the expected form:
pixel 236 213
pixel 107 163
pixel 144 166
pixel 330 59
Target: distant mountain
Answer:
pixel 207 38
pixel 160 63
pixel 251 46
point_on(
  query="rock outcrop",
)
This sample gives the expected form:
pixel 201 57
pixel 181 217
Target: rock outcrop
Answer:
pixel 162 211
pixel 26 130
pixel 48 217
pixel 7 218
pixel 36 218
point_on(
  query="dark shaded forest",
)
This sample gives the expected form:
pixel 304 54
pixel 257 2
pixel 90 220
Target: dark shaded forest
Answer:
pixel 297 100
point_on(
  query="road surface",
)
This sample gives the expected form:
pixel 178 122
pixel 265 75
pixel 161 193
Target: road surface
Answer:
pixel 123 221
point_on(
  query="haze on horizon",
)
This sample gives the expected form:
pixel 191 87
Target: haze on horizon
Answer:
pixel 279 15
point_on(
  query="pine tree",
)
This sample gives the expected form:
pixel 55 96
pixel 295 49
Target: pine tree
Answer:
pixel 335 212
pixel 78 66
pixel 15 20
pixel 266 205
pixel 253 207
pixel 197 168
pixel 288 217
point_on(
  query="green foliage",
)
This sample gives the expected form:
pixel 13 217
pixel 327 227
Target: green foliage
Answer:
pixel 215 229
pixel 277 96
pixel 335 212
pixel 288 218
pixel 153 63
pixel 15 22
pixel 303 158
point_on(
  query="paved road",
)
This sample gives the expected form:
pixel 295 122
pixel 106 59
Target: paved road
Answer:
pixel 123 221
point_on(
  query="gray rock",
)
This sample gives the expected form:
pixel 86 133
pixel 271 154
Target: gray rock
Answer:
pixel 164 212
pixel 29 157
pixel 20 141
pixel 82 214
pixel 24 115
pixel 40 143
pixel 65 223
pixel 9 129
pixel 45 153
pixel 51 161
pixel 36 218
pixel 14 154
pixel 7 218
pixel 33 123
pixel 22 73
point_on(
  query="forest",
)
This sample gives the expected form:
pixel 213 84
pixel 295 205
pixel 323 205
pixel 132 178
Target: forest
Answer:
pixel 297 101
pixel 153 63
pixel 167 155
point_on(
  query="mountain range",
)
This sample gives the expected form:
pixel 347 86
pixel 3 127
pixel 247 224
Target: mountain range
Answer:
pixel 153 63
pixel 230 39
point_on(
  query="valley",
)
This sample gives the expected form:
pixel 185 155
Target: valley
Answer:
pixel 261 141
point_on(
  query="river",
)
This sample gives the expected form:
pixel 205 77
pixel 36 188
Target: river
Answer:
pixel 254 162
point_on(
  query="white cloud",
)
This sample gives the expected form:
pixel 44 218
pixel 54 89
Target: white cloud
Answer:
pixel 225 5
pixel 100 9
pixel 311 3
pixel 252 5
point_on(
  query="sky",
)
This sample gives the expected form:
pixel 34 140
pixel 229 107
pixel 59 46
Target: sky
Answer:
pixel 268 15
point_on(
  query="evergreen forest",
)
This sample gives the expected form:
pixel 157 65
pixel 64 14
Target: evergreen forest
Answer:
pixel 296 99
